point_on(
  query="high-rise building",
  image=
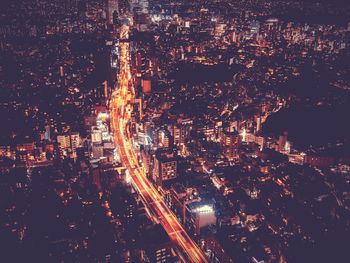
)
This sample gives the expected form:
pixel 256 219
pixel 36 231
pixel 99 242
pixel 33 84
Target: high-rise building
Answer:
pixel 282 141
pixel 68 143
pixel 47 134
pixel 112 7
pixel 165 166
pixel 74 141
pixel 230 142
pixel 164 139
pixel 258 124
pixel 176 133
pixel 146 160
pixel 63 141
pixel 200 214
pixel 63 144
pixel 252 138
pixel 96 136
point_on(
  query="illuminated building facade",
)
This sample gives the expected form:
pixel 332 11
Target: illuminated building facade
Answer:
pixel 68 144
pixel 199 215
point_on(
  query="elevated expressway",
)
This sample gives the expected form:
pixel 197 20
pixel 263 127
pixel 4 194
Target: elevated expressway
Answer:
pixel 120 106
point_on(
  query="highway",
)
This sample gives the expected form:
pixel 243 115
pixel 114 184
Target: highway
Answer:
pixel 120 107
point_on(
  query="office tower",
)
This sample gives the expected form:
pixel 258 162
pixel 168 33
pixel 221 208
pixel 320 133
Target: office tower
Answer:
pixel 165 166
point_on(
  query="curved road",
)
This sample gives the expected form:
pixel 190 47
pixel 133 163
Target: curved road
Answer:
pixel 120 106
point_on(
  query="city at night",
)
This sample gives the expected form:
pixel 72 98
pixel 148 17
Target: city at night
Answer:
pixel 181 131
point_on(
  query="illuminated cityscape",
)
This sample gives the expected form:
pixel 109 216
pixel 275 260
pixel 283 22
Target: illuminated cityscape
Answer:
pixel 175 131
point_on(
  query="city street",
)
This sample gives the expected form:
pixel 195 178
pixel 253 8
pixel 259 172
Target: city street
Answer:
pixel 120 114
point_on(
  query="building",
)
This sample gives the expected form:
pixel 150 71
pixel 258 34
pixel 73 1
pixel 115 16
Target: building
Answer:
pixel 63 141
pixel 139 6
pixel 258 123
pixel 176 133
pixel 180 132
pixel 146 160
pixel 89 121
pixel 163 138
pixel 282 140
pixel 112 8
pixel 68 144
pixel 195 211
pixel 26 151
pixel 199 215
pixel 47 134
pixel 27 146
pixel 63 145
pixel 96 136
pixel 146 85
pixel 74 141
pixel 97 151
pixel 208 130
pixel 252 138
pixel 158 247
pixel 216 251
pixel 165 166
pixel 230 142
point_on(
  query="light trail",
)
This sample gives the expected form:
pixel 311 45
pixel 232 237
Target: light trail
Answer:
pixel 121 99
